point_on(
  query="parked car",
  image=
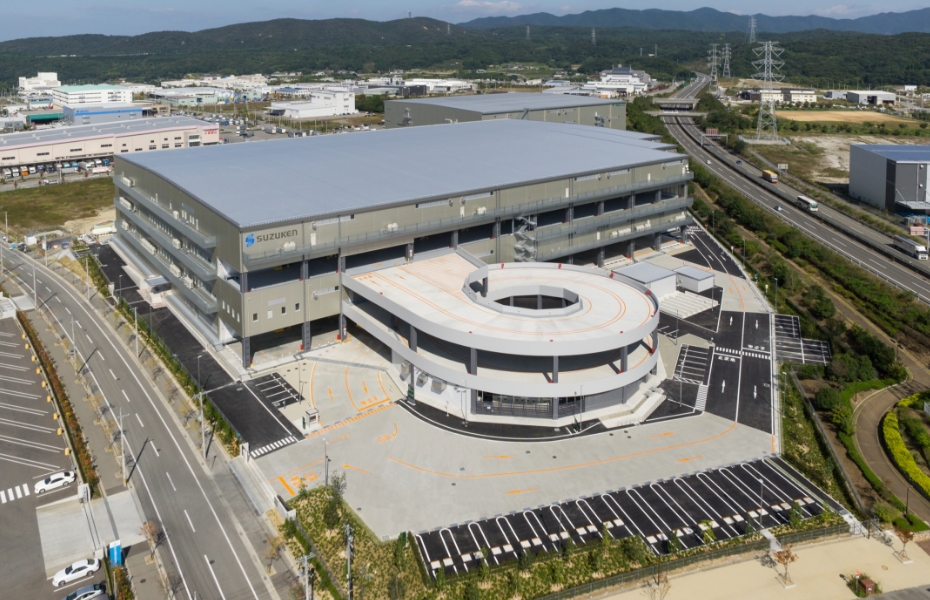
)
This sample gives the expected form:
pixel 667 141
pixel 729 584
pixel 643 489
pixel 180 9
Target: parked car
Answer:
pixel 55 481
pixel 88 592
pixel 75 571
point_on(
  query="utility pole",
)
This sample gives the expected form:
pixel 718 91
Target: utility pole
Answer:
pixel 349 548
pixel 87 277
pixel 135 319
pixel 203 424
pixel 325 463
pixel 308 581
pixel 35 293
pixel 768 65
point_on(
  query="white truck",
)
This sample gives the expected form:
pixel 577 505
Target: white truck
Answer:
pixel 909 246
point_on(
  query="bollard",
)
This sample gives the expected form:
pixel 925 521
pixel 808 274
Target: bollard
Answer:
pixel 48 398
pixel 32 358
pixel 38 370
pixel 43 384
pixel 27 346
pixel 59 431
pixel 67 451
pixel 55 417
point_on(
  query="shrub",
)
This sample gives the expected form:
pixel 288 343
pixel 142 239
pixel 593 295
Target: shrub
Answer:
pixel 827 398
pixel 900 455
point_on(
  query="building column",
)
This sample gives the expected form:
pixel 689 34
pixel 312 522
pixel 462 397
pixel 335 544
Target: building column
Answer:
pixel 571 259
pixel 413 338
pixel 484 287
pixel 600 257
pixel 244 282
pixel 555 408
pixel 624 359
pixel 473 363
pixel 632 250
pixel 304 270
pixel 307 336
pixel 455 239
pixel 538 301
pixel 632 201
pixel 600 208
pixel 511 301
pixel 409 253
pixel 555 369
pixel 681 234
pixel 395 322
pixel 342 327
pixel 656 242
pixel 658 196
pixel 246 353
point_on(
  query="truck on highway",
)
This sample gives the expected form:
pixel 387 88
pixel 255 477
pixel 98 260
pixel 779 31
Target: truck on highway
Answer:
pixel 770 176
pixel 909 246
pixel 805 203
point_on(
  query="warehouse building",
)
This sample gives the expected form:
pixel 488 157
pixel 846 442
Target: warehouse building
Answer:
pixel 91 114
pixel 870 97
pixel 71 95
pixel 252 256
pixel 79 142
pixel 321 103
pixel 890 177
pixel 552 108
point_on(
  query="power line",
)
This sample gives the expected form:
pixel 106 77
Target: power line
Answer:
pixel 768 65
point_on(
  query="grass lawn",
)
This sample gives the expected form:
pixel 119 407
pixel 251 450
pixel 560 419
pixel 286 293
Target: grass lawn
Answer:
pixel 47 207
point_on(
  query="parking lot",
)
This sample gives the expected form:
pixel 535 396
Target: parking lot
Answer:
pixel 791 347
pixel 729 501
pixel 30 449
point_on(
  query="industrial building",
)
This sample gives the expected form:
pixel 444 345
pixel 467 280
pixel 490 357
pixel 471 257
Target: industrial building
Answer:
pixel 435 248
pixel 41 84
pixel 874 97
pixel 71 95
pixel 27 148
pixel 552 108
pixel 890 176
pixel 323 103
pixel 91 114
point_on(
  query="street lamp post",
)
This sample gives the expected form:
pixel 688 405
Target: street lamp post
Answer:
pixel 325 463
pixel 203 426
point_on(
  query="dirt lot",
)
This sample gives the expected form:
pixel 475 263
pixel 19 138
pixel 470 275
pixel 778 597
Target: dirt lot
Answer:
pixel 48 207
pixel 822 158
pixel 840 116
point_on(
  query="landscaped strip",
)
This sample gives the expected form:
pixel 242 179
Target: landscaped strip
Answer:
pixel 84 460
pixel 901 456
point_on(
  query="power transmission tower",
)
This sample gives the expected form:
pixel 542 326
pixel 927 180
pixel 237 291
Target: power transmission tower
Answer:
pixel 593 37
pixel 752 30
pixel 656 51
pixel 527 32
pixel 448 29
pixel 768 65
pixel 712 62
pixel 726 62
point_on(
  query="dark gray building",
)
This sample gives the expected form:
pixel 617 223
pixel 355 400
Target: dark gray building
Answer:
pixel 254 239
pixel 551 108
pixel 890 176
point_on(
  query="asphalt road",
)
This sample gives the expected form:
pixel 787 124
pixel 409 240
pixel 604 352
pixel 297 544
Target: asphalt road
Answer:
pixel 747 180
pixel 206 546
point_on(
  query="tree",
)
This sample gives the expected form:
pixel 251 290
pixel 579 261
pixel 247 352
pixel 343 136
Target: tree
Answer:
pixel 152 534
pixel 905 535
pixel 708 536
pixel 556 572
pixel 827 398
pixel 843 417
pixel 785 557
pixel 658 585
pixel 794 515
pixel 400 551
pixel 275 544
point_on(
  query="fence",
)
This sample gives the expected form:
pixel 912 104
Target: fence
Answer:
pixel 723 555
pixel 847 482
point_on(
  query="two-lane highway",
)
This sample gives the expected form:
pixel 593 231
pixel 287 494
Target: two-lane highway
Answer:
pixel 205 548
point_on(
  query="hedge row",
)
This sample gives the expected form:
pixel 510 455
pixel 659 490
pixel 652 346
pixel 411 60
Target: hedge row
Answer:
pixel 84 460
pixel 901 456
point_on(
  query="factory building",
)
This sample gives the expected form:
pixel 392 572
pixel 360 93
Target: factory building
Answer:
pixel 552 108
pixel 890 177
pixel 79 142
pixel 41 84
pixel 870 97
pixel 322 103
pixel 91 114
pixel 455 247
pixel 71 95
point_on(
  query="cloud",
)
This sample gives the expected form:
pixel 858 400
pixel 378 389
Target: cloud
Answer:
pixel 486 7
pixel 843 10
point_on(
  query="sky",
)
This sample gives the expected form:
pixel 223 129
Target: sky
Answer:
pixel 132 17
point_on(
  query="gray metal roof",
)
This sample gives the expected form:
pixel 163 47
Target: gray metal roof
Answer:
pixel 76 133
pixel 258 183
pixel 490 104
pixel 694 273
pixel 645 272
pixel 899 152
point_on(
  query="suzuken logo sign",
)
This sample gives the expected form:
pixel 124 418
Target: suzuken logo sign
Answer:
pixel 252 239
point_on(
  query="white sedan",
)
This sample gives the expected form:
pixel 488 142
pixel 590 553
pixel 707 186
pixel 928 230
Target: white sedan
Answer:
pixel 53 482
pixel 75 571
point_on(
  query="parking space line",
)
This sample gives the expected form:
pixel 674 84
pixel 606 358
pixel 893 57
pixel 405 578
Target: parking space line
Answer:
pixel 38 428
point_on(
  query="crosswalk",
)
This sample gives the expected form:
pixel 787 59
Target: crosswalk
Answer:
pixel 14 493
pixel 273 446
pixel 701 402
pixel 753 352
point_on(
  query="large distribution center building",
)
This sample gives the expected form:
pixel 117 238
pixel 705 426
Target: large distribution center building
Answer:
pixel 434 245
pixel 552 108
pixel 889 176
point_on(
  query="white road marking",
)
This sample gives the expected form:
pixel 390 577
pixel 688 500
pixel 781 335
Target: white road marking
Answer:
pixel 189 522
pixel 88 338
pixel 140 420
pixel 113 375
pixel 3 496
pixel 169 481
pixel 215 580
pixel 126 396
pixel 25 490
pixel 19 494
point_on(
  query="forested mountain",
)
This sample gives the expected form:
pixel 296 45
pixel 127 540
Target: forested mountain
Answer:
pixel 824 58
pixel 709 19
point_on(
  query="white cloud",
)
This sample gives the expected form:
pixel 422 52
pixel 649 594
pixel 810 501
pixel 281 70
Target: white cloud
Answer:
pixel 486 7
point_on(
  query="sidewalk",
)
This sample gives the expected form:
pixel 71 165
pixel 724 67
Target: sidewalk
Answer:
pixel 818 574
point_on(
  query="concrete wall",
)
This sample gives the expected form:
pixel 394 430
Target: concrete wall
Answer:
pixel 867 177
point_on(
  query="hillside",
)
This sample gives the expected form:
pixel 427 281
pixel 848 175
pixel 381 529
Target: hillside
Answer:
pixel 283 35
pixel 709 19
